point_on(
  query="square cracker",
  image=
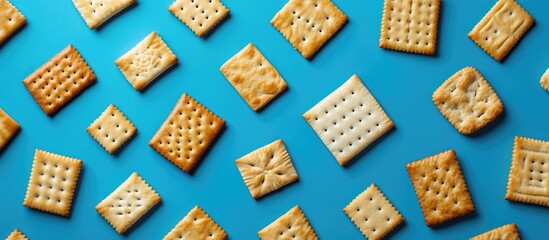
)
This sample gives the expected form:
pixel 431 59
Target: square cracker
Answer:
pixel 52 183
pixel 128 203
pixel 410 25
pixel 112 129
pixel 501 28
pixel 267 169
pixel 17 235
pixel 59 80
pixel 96 12
pixel 8 128
pixel 373 214
pixel 187 133
pixel 544 82
pixel 292 225
pixel 467 101
pixel 199 15
pixel 196 225
pixel 255 79
pixel 10 20
pixel 146 61
pixel 308 24
pixel 529 175
pixel 348 120
pixel 440 188
pixel 506 232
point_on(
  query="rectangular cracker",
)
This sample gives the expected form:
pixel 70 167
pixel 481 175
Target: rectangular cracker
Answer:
pixel 348 120
pixel 255 79
pixel 96 12
pixel 187 133
pixel 308 24
pixel 8 128
pixel 59 80
pixel 529 175
pixel 10 21
pixel 267 169
pixel 52 183
pixel 292 225
pixel 146 61
pixel 501 28
pixel 505 232
pixel 440 188
pixel 196 225
pixel 17 235
pixel 373 214
pixel 410 25
pixel 128 203
pixel 544 81
pixel 112 129
pixel 200 16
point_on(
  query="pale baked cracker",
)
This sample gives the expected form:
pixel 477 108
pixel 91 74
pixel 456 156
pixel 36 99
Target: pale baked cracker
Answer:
pixel 505 232
pixel 267 169
pixel 96 12
pixel 196 225
pixel 255 79
pixel 10 20
pixel 8 128
pixel 410 25
pixel 348 120
pixel 440 188
pixel 146 61
pixel 308 24
pixel 112 129
pixel 17 235
pixel 187 133
pixel 501 28
pixel 292 225
pixel 199 15
pixel 467 101
pixel 373 214
pixel 59 80
pixel 545 80
pixel 128 203
pixel 529 175
pixel 52 183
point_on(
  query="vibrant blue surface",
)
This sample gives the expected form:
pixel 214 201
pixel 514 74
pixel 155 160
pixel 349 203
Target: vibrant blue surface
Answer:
pixel 402 83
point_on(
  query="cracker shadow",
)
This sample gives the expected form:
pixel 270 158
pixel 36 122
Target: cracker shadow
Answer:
pixel 324 44
pixel 270 101
pixel 158 78
pixel 517 43
pixel 143 219
pixel 12 139
pixel 13 34
pixel 113 18
pixel 125 145
pixel 215 27
pixel 489 128
pixel 207 152
pixel 367 149
pixel 395 230
pixel 453 221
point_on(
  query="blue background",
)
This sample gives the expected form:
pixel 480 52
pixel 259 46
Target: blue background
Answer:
pixel 401 82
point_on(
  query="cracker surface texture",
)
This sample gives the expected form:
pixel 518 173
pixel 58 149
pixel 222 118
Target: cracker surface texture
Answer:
pixel 545 80
pixel 8 128
pixel 112 129
pixel 506 232
pixel 11 20
pixel 292 225
pixel 96 12
pixel 200 16
pixel 17 235
pixel 197 225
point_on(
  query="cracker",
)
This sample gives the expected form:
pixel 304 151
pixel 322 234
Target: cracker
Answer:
pixel 187 133
pixel 59 80
pixel 17 235
pixel 267 169
pixel 410 25
pixel 52 183
pixel 96 12
pixel 529 175
pixel 199 15
pixel 308 24
pixel 146 61
pixel 128 203
pixel 506 232
pixel 196 225
pixel 545 80
pixel 8 128
pixel 348 120
pixel 255 79
pixel 440 188
pixel 112 129
pixel 11 20
pixel 292 225
pixel 501 28
pixel 467 101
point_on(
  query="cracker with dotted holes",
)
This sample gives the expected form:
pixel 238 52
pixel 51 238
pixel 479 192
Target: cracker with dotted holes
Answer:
pixel 467 101
pixel 255 79
pixel 8 128
pixel 10 20
pixel 373 214
pixel 52 183
pixel 348 120
pixel 200 16
pixel 96 12
pixel 308 24
pixel 112 129
pixel 544 82
pixel 128 203
pixel 187 133
pixel 410 25
pixel 501 28
pixel 507 232
pixel 267 169
pixel 529 175
pixel 440 188
pixel 17 235
pixel 59 80
pixel 196 225
pixel 292 225
pixel 146 61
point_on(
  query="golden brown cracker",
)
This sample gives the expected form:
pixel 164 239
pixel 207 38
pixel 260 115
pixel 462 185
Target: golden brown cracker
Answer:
pixel 200 16
pixel 197 225
pixel 505 232
pixel 96 12
pixel 112 129
pixel 292 225
pixel 10 20
pixel 8 128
